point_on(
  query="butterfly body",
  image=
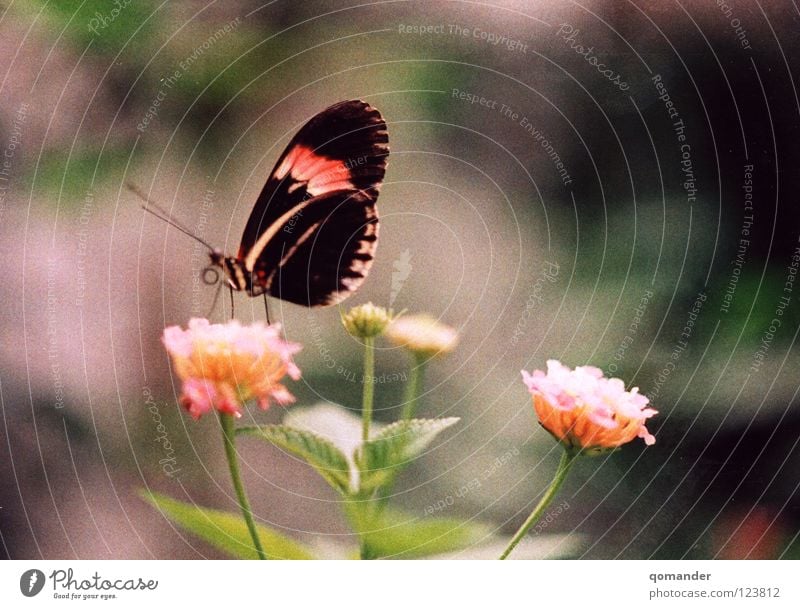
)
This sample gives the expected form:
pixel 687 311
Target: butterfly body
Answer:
pixel 312 234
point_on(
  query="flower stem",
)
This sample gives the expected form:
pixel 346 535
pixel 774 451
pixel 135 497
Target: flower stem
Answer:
pixel 567 459
pixel 369 387
pixel 228 435
pixel 416 377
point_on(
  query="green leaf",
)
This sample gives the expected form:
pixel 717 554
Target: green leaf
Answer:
pixel 336 424
pixel 394 447
pixel 396 534
pixel 226 531
pixel 318 452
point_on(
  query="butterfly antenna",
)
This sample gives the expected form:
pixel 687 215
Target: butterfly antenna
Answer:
pixel 162 214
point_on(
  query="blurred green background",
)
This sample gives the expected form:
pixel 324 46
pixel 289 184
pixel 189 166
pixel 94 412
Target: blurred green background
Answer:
pixel 675 291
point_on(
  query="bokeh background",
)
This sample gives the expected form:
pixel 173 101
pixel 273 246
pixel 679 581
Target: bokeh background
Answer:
pixel 640 253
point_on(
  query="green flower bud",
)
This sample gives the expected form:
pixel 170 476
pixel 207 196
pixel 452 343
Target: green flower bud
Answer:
pixel 367 320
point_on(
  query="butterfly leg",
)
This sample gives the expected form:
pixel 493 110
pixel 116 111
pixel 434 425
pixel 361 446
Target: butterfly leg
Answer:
pixel 266 307
pixel 232 306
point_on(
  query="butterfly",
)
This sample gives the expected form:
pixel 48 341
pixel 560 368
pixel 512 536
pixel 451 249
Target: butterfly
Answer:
pixel 312 233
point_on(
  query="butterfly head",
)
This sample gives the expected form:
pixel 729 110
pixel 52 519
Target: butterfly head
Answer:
pixel 211 273
pixel 232 269
pixel 217 258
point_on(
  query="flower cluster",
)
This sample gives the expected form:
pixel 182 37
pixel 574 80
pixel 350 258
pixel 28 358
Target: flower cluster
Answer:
pixel 585 410
pixel 222 366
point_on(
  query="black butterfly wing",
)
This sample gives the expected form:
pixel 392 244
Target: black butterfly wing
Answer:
pixel 343 148
pixel 324 254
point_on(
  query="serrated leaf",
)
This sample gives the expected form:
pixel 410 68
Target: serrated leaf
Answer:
pixel 226 531
pixel 318 452
pixel 394 447
pixel 397 534
pixel 336 424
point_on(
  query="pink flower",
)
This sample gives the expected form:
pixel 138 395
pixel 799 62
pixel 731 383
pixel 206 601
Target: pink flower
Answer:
pixel 222 366
pixel 585 410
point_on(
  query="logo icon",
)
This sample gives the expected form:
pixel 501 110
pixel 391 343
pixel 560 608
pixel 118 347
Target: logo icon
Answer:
pixel 31 582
